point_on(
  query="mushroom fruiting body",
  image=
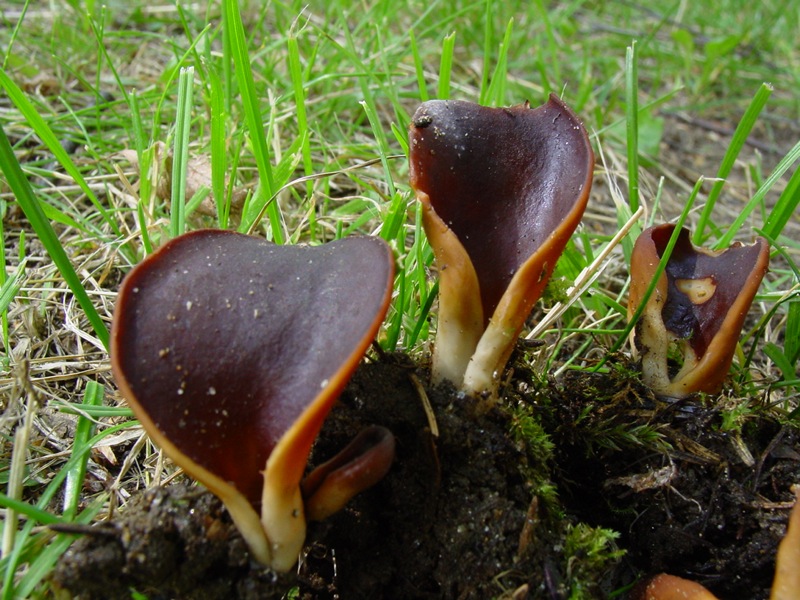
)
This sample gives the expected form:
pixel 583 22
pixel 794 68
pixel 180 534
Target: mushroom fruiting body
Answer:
pixel 699 303
pixel 231 351
pixel 502 190
pixel 669 587
pixel 362 463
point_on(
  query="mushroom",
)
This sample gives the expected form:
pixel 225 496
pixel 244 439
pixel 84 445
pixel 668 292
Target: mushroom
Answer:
pixel 699 303
pixel 785 585
pixel 502 190
pixel 669 587
pixel 361 464
pixel 231 351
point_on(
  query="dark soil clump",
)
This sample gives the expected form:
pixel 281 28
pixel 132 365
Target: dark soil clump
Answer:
pixel 171 542
pixel 462 514
pixel 446 523
pixel 703 500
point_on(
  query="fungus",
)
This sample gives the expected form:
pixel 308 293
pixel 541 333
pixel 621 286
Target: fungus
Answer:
pixel 231 351
pixel 669 587
pixel 699 304
pixel 502 190
pixel 361 464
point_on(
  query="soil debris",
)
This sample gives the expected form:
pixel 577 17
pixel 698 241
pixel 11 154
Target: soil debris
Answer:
pixel 466 514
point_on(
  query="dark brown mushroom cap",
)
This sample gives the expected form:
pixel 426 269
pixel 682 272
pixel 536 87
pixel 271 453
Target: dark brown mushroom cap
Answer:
pixel 697 318
pixel 503 179
pixel 700 301
pixel 223 341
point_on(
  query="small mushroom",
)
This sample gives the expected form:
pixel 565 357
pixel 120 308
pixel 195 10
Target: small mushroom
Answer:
pixel 231 351
pixel 502 190
pixel 669 587
pixel 699 303
pixel 361 464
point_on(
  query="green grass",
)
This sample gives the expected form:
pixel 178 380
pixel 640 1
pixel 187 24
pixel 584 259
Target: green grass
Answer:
pixel 301 112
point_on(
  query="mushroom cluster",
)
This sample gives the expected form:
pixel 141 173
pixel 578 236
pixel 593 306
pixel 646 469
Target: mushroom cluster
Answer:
pixel 502 190
pixel 699 304
pixel 231 351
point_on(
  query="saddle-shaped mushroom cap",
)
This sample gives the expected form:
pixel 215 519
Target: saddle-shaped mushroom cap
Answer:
pixel 502 190
pixel 232 350
pixel 700 303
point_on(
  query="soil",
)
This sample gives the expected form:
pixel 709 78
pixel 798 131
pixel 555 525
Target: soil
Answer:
pixel 467 513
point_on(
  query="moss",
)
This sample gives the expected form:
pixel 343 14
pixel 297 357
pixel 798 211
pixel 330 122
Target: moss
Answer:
pixel 591 553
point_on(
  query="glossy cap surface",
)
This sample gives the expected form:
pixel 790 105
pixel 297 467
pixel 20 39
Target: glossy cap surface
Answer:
pixel 228 347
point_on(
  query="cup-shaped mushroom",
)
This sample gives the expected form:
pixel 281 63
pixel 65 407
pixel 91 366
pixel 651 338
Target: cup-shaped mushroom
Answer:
pixel 502 190
pixel 699 305
pixel 231 351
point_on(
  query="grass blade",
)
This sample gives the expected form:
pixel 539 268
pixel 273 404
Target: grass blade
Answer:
pixel 244 75
pixel 42 129
pixel 418 68
pixel 787 161
pixel 632 125
pixel 383 144
pixel 738 140
pixel 784 208
pixel 496 92
pixel 93 396
pixel 180 158
pixel 15 32
pixel 32 512
pixel 10 288
pixel 488 42
pixel 219 155
pixel 23 192
pixel 553 60
pixel 296 73
pixel 792 344
pixel 446 66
